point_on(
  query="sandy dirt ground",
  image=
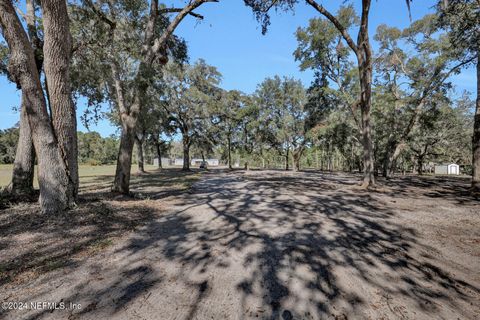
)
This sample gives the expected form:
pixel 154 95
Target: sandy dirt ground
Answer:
pixel 274 245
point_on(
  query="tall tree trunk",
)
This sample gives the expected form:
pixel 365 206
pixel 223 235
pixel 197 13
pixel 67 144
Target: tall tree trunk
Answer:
pixel 229 152
pixel 386 159
pixel 154 51
pixel 24 164
pixel 297 154
pixel 363 53
pixel 420 165
pixel 329 160
pixel 140 156
pixel 128 120
pixel 52 174
pixel 394 156
pixel 186 152
pixel 386 166
pixel 351 163
pixel 365 69
pixel 287 155
pixel 57 52
pixel 159 153
pixel 476 135
pixel 121 184
pixel 296 164
pixel 322 161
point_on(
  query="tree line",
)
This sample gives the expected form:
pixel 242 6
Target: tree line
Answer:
pixel 377 112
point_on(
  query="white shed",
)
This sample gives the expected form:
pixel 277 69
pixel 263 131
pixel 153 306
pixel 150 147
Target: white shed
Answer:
pixel 213 162
pixel 450 168
pixel 210 162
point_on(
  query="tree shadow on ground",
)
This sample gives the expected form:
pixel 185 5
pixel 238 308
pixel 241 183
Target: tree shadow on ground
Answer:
pixel 308 245
pixel 304 239
pixel 35 247
pixel 452 188
pixel 32 243
pixel 156 184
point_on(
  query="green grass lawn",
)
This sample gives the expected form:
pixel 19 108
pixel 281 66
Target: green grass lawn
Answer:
pixel 87 173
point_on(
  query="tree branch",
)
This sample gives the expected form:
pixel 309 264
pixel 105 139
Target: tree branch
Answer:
pixel 337 24
pixel 173 10
pixel 119 91
pixel 100 14
pixel 160 43
pixel 150 28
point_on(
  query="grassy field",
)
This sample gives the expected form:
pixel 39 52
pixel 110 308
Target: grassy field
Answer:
pixel 87 173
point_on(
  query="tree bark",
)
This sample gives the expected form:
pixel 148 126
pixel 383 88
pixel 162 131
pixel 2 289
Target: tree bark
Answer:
pixel 365 73
pixel 389 159
pixel 159 153
pixel 128 119
pixel 420 165
pixel 476 134
pixel 297 154
pixel 140 157
pixel 351 162
pixel 229 153
pixel 24 164
pixel 386 167
pixel 52 174
pixel 186 152
pixel 121 184
pixel 57 52
pixel 329 159
pixel 287 155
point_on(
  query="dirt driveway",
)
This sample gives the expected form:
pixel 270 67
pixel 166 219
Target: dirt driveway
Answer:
pixel 275 245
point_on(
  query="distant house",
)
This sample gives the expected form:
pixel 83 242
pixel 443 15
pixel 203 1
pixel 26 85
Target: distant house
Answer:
pixel 178 162
pixel 210 162
pixel 451 168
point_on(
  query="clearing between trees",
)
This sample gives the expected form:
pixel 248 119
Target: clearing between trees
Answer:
pixel 250 244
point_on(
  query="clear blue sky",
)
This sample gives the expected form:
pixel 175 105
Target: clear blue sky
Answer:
pixel 230 39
